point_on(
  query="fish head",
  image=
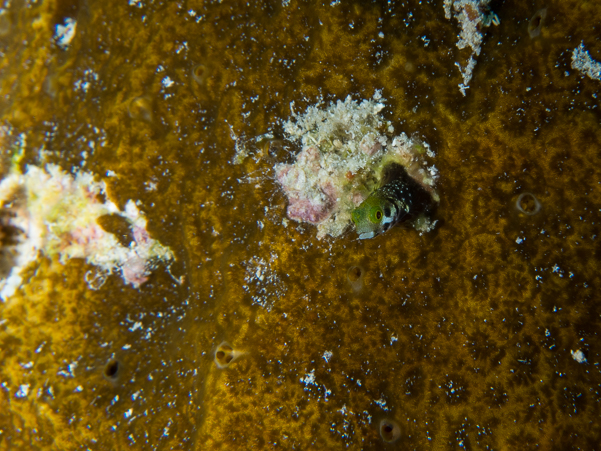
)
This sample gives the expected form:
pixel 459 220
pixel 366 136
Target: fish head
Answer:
pixel 375 215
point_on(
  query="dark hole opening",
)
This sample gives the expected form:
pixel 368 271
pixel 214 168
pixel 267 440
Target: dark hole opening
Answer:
pixel 354 274
pixel 528 203
pixel 112 368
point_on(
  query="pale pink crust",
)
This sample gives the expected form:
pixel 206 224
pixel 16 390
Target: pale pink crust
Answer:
pixel 134 271
pixel 291 178
pixel 140 235
pixel 405 156
pixel 370 144
pixel 329 190
pixel 416 172
pixel 369 150
pixel 302 205
pixel 281 171
pixel 308 211
pixel 309 157
pixel 357 198
pixel 87 236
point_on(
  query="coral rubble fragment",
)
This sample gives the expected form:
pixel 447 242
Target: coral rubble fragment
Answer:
pixel 57 215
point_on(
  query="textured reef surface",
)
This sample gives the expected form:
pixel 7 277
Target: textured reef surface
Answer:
pixel 252 332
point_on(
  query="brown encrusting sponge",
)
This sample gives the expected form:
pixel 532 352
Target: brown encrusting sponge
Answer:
pixel 480 334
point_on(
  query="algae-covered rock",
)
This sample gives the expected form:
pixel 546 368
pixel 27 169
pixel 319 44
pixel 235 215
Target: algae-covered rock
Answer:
pixel 344 149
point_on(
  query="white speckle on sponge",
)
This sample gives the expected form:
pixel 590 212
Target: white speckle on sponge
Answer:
pixel 578 356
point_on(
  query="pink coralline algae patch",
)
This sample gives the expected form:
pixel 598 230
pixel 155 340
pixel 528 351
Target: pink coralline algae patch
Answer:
pixel 307 210
pixel 306 203
pixel 134 271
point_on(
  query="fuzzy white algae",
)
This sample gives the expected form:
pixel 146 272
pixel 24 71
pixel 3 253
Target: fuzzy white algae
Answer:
pixel 582 61
pixel 473 16
pixel 578 355
pixel 56 214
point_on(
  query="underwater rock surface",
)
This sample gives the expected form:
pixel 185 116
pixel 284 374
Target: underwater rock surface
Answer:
pixel 483 333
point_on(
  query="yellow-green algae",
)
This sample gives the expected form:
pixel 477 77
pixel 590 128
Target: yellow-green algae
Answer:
pixel 463 333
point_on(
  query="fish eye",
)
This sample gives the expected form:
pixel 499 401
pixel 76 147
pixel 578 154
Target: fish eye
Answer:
pixel 376 215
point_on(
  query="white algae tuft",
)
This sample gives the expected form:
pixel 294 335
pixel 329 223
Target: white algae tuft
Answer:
pixel 582 61
pixel 473 16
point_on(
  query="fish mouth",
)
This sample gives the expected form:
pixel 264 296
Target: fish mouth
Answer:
pixel 367 235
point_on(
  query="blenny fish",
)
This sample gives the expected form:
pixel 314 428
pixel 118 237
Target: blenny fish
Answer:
pixel 399 199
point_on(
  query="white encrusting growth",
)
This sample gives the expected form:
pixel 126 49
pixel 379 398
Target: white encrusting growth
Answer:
pixel 473 16
pixel 56 214
pixel 582 61
pixel 64 34
pixel 578 356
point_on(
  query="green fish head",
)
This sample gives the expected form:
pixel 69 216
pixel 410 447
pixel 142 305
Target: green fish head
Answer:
pixel 373 216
